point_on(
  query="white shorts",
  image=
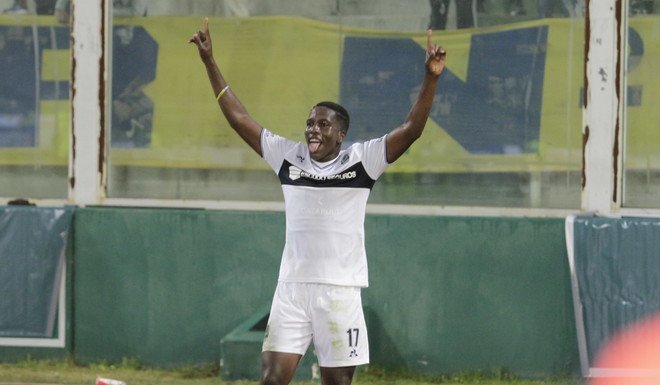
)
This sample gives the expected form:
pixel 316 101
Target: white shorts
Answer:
pixel 330 315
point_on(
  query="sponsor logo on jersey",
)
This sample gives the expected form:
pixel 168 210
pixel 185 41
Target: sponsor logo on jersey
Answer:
pixel 296 173
pixel 354 176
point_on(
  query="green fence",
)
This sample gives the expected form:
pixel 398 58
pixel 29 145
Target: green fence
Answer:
pixel 447 294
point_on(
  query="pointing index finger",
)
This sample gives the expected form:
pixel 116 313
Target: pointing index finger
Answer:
pixel 429 34
pixel 206 25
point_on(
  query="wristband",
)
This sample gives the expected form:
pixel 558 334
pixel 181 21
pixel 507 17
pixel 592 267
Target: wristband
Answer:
pixel 222 92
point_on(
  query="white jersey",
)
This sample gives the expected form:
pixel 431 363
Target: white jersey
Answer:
pixel 325 205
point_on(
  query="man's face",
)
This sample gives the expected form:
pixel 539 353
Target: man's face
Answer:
pixel 323 134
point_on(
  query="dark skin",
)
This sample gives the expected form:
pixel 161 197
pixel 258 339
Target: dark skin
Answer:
pixel 324 135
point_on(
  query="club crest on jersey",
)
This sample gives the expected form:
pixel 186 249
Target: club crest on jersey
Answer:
pixel 296 173
pixel 344 159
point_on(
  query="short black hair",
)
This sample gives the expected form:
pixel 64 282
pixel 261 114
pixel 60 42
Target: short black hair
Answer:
pixel 341 112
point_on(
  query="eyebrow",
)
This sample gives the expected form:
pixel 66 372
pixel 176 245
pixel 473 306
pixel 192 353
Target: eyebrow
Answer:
pixel 310 120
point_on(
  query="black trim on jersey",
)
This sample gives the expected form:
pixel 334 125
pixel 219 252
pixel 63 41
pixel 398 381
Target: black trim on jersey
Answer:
pixel 355 176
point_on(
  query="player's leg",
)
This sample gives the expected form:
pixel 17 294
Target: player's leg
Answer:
pixel 337 376
pixel 340 332
pixel 288 334
pixel 278 368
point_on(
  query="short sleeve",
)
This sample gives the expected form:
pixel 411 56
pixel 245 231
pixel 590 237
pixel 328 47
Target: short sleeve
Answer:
pixel 274 148
pixel 374 157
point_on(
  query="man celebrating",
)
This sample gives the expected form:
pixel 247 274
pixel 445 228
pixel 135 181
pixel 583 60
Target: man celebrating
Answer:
pixel 324 264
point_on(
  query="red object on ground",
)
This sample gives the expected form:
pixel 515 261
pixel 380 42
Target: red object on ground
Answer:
pixel 634 353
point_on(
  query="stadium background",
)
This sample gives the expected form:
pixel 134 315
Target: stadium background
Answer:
pixel 165 285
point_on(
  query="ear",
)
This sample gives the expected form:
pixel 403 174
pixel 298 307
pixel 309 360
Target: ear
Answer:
pixel 341 136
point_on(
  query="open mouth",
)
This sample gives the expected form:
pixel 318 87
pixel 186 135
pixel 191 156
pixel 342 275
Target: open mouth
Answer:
pixel 313 144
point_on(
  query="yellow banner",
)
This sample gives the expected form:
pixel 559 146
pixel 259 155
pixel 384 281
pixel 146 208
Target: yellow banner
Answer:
pixel 279 67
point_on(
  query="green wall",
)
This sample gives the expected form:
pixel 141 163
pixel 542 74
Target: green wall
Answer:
pixel 463 293
pixel 164 286
pixel 447 294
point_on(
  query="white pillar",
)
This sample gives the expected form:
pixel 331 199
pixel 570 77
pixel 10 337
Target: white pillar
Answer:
pixel 602 129
pixel 87 143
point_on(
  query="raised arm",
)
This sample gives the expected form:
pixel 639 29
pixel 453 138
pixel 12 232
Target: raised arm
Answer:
pixel 236 115
pixel 400 139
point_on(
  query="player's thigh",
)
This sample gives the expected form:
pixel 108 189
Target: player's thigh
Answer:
pixel 289 328
pixel 340 331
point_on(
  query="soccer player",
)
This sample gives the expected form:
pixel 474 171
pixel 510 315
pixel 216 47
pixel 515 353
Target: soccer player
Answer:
pixel 324 264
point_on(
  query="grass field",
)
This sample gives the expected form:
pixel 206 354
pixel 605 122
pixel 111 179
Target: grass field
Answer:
pixel 132 373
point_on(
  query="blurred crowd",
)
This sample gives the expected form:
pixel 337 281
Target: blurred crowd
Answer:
pixel 451 14
pixel 60 8
pixel 444 14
